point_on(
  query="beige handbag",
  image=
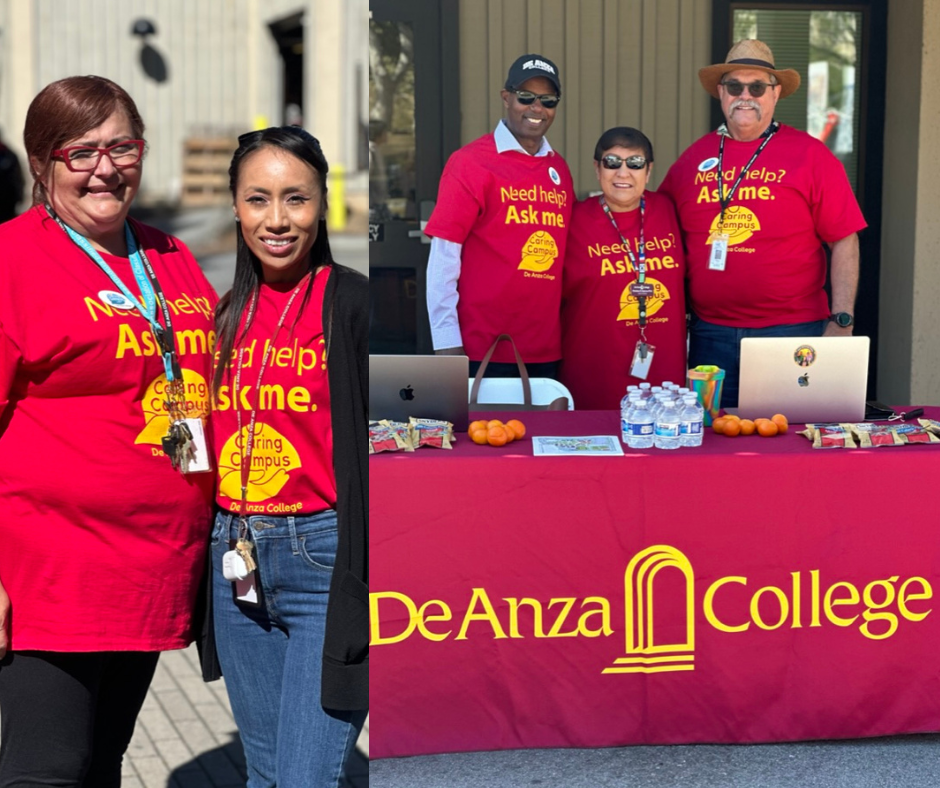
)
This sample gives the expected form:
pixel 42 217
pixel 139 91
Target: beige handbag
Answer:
pixel 559 403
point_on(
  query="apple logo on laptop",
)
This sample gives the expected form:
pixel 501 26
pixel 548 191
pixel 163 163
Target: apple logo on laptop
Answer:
pixel 803 380
pixel 407 394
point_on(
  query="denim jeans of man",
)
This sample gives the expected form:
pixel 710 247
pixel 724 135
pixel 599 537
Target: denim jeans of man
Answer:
pixel 271 655
pixel 710 343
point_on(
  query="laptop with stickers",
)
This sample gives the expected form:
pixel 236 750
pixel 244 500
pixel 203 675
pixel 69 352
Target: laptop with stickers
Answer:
pixel 426 387
pixel 807 379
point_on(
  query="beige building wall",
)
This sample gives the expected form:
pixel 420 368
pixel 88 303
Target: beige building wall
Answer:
pixel 909 338
pixel 224 72
pixel 622 63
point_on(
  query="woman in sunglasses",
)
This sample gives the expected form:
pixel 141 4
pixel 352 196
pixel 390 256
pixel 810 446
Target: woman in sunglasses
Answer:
pixel 103 534
pixel 623 308
pixel 290 545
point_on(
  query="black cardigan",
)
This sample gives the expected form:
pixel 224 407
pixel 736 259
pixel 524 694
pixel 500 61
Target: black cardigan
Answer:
pixel 345 676
pixel 345 680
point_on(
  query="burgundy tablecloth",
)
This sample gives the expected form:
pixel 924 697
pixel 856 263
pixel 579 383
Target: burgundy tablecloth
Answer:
pixel 753 589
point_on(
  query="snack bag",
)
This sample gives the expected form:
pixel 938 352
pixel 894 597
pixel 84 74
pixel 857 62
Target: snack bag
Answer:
pixel 432 432
pixel 389 436
pixel 915 433
pixel 874 435
pixel 829 436
pixel 931 425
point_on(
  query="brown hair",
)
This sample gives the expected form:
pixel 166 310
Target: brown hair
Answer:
pixel 67 109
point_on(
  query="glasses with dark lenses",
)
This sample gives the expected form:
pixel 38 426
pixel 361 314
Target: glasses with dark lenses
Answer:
pixel 756 89
pixel 82 158
pixel 613 162
pixel 547 100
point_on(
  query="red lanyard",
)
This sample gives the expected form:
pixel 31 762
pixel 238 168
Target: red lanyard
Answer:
pixel 247 443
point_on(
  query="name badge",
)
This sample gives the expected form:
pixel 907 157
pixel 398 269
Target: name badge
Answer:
pixel 719 253
pixel 642 360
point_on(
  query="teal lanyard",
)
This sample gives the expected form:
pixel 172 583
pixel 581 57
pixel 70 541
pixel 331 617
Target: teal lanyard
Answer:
pixel 146 281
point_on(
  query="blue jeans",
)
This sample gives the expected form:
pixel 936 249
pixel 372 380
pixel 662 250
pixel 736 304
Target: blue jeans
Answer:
pixel 271 655
pixel 721 345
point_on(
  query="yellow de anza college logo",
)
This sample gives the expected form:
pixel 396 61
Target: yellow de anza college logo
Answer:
pixel 659 613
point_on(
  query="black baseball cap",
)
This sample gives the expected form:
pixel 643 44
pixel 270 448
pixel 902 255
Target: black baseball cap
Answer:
pixel 530 66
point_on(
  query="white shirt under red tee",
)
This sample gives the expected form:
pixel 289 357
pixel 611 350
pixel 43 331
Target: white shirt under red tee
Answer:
pixel 102 542
pixel 795 198
pixel 510 212
pixel 291 469
pixel 600 317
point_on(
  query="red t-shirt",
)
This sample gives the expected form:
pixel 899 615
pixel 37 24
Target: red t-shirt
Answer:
pixel 511 212
pixel 599 316
pixel 795 198
pixel 103 542
pixel 292 452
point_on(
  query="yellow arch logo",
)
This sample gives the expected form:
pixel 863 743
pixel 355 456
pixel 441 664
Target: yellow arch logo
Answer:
pixel 539 252
pixel 643 653
pixel 156 418
pixel 630 304
pixel 273 457
pixel 740 224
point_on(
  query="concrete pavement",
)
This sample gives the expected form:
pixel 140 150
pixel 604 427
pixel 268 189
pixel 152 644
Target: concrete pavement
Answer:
pixel 891 762
pixel 186 736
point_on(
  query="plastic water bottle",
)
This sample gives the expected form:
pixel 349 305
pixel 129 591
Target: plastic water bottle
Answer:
pixel 626 407
pixel 667 426
pixel 640 434
pixel 692 417
pixel 645 388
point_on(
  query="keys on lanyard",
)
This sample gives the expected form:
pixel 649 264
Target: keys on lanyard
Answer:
pixel 178 445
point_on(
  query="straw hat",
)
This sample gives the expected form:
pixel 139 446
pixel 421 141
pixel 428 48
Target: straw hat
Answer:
pixel 748 54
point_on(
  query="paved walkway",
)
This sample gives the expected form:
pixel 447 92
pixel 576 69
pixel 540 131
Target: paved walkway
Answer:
pixel 186 736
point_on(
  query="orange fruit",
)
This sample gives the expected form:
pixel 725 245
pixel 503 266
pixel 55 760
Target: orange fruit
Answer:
pixel 732 428
pixel 496 436
pixel 479 436
pixel 476 425
pixel 510 435
pixel 733 416
pixel 718 425
pixel 748 427
pixel 781 421
pixel 517 427
pixel 767 428
pixel 494 423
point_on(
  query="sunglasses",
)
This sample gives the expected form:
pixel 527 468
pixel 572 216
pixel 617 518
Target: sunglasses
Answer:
pixel 613 162
pixel 756 89
pixel 547 100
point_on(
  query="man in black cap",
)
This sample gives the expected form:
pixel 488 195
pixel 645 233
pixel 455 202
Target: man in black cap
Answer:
pixel 756 262
pixel 499 230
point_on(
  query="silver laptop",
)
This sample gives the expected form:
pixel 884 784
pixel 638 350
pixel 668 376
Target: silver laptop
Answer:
pixel 807 379
pixel 427 387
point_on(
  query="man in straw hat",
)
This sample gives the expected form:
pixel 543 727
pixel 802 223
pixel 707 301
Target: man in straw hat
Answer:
pixel 499 231
pixel 755 250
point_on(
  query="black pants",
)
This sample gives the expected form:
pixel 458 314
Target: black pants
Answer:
pixel 66 719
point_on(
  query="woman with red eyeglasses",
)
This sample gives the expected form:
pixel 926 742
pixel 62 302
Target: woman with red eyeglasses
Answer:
pixel 105 337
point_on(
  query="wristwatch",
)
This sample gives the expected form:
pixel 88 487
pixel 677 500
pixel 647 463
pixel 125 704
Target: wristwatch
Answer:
pixel 842 319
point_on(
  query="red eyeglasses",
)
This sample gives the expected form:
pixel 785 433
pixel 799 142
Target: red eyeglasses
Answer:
pixel 82 158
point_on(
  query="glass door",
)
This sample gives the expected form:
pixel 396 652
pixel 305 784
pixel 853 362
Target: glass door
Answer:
pixel 413 126
pixel 839 48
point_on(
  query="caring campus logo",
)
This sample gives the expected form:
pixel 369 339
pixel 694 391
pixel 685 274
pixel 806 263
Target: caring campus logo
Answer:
pixel 630 304
pixel 539 252
pixel 660 611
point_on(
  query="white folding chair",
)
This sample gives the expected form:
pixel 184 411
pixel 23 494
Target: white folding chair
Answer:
pixel 509 390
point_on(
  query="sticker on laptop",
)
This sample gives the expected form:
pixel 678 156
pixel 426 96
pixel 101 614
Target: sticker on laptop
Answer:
pixel 804 355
